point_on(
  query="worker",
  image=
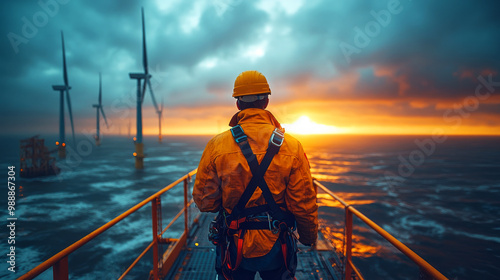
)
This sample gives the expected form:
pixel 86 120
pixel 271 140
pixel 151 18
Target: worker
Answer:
pixel 258 179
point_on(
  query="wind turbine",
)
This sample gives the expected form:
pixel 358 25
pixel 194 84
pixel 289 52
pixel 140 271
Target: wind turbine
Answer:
pixel 139 146
pixel 160 112
pixel 99 108
pixel 62 89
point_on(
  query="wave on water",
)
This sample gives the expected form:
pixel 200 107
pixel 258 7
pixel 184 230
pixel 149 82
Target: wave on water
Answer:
pixel 446 211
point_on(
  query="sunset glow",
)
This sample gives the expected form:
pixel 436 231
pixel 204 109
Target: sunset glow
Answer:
pixel 305 119
pixel 304 125
pixel 352 81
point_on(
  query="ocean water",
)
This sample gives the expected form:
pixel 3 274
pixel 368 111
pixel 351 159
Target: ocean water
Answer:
pixel 440 198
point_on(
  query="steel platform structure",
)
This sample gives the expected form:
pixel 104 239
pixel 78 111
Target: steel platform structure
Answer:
pixel 197 260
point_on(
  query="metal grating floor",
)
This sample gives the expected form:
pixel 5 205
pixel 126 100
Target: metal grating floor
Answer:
pixel 197 262
pixel 310 267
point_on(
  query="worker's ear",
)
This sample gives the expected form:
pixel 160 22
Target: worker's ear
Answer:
pixel 238 104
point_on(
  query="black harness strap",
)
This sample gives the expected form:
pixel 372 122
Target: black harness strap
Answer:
pixel 258 171
pixel 252 211
pixel 240 215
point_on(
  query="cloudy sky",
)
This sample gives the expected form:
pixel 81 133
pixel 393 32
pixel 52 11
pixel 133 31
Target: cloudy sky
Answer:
pixel 351 66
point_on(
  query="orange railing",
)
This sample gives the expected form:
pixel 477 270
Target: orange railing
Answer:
pixel 59 262
pixel 349 267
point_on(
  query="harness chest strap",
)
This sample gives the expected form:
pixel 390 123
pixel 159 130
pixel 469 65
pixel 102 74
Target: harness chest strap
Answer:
pixel 258 171
pixel 238 223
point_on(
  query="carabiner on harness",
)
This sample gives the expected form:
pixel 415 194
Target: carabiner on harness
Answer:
pixel 276 227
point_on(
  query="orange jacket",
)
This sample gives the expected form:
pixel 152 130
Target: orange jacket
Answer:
pixel 223 174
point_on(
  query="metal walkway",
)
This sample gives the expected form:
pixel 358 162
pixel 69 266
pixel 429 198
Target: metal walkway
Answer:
pixel 197 260
pixel 191 256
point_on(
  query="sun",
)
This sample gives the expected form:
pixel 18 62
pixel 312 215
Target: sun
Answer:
pixel 304 125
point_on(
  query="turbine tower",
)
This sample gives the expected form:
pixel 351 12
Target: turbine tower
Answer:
pixel 64 89
pixel 99 108
pixel 139 146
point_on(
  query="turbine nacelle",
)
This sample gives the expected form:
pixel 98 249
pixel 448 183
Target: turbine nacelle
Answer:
pixel 61 88
pixel 139 76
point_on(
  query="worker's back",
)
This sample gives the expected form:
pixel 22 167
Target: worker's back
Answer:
pixel 256 231
pixel 288 178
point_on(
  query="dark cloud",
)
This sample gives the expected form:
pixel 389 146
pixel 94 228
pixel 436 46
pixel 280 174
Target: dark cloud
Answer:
pixel 428 41
pixel 427 51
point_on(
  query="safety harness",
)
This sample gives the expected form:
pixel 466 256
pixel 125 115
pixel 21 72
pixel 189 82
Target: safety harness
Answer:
pixel 240 219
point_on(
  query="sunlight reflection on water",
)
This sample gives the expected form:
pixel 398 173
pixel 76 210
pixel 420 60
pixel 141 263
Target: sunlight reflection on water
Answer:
pixel 447 209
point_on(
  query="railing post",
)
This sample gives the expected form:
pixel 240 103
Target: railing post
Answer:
pixel 348 243
pixel 60 269
pixel 154 213
pixel 186 217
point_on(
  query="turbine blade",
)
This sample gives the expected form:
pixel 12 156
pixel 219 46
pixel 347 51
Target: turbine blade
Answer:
pixel 144 52
pixel 100 90
pixel 65 72
pixel 70 116
pixel 143 89
pixel 153 96
pixel 161 110
pixel 104 116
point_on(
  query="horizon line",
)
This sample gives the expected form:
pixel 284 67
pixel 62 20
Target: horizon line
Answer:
pixel 293 134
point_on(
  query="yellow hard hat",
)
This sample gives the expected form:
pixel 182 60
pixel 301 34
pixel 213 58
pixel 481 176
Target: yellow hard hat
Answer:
pixel 250 83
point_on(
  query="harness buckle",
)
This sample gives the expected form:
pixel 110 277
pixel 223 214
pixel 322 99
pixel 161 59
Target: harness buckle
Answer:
pixel 276 227
pixel 277 137
pixel 238 134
